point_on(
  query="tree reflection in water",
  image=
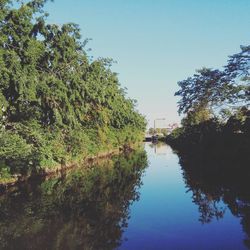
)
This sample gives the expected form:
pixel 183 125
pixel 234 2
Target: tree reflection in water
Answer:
pixel 84 209
pixel 215 183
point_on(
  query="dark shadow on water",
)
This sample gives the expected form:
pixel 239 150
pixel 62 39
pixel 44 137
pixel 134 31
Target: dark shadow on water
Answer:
pixel 84 209
pixel 216 182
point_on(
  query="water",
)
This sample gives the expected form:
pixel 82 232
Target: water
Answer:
pixel 166 216
pixel 144 200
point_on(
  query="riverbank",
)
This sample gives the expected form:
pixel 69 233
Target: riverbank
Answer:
pixel 6 183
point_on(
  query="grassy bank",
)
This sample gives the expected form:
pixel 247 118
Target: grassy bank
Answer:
pixel 56 155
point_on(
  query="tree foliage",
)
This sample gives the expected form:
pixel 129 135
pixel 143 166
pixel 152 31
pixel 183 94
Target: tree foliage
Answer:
pixel 200 91
pixel 211 92
pixel 51 90
pixel 238 68
pixel 215 104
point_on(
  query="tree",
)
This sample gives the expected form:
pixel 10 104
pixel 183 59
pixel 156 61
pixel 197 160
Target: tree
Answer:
pixel 202 91
pixel 164 131
pixel 52 97
pixel 198 115
pixel 151 131
pixel 211 89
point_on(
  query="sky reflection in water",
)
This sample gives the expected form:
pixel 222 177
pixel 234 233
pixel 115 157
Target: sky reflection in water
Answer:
pixel 166 216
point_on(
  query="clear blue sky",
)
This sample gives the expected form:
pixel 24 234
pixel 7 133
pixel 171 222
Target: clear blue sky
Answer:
pixel 158 42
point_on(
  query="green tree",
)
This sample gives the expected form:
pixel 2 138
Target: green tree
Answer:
pixel 52 97
pixel 164 131
pixel 203 90
pixel 212 91
pixel 151 131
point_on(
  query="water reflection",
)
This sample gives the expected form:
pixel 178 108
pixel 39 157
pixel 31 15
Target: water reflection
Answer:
pixel 161 149
pixel 218 185
pixel 90 208
pixel 83 209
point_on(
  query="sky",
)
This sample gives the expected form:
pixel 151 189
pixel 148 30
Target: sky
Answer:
pixel 157 43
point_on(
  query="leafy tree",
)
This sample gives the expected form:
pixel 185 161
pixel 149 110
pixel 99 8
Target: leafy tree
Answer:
pixel 196 116
pixel 151 131
pixel 212 91
pixel 164 131
pixel 52 97
pixel 204 90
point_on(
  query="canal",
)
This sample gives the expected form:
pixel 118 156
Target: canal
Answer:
pixel 144 200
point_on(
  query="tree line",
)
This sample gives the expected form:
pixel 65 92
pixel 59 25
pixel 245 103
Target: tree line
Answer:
pixel 215 104
pixel 56 104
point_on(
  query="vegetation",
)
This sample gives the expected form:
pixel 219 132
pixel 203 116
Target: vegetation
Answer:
pixel 216 111
pixel 213 143
pixel 163 131
pixel 56 105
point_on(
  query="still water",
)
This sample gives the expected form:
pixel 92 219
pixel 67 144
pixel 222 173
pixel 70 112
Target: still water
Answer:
pixel 169 215
pixel 144 200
